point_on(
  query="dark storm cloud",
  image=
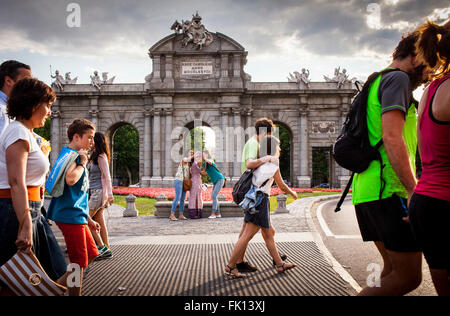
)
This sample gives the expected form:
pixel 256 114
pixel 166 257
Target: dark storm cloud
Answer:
pixel 323 27
pixel 340 27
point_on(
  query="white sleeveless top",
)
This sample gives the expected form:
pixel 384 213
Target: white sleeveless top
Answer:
pixel 262 173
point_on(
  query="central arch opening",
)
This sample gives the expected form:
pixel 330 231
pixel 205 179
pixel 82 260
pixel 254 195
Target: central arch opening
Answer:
pixel 286 155
pixel 200 137
pixel 124 146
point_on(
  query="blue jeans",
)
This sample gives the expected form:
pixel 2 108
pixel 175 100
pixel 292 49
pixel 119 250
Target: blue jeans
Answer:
pixel 180 196
pixel 214 195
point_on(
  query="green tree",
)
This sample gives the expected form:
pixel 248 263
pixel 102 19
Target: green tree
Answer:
pixel 321 165
pixel 198 143
pixel 285 155
pixel 126 154
pixel 45 130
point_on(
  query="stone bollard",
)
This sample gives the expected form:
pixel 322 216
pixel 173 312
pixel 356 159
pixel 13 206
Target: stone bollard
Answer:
pixel 281 200
pixel 161 198
pixel 131 210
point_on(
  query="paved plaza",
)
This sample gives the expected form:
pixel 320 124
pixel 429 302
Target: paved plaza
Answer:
pixel 187 258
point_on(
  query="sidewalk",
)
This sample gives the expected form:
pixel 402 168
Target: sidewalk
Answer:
pixel 187 258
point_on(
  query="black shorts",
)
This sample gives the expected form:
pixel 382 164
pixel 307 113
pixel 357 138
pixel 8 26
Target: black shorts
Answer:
pixel 382 220
pixel 430 221
pixel 262 218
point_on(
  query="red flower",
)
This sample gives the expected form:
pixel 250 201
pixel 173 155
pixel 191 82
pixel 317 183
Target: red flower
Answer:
pixel 206 195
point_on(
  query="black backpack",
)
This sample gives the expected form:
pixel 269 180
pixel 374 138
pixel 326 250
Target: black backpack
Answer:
pixel 244 184
pixel 352 149
pixel 241 187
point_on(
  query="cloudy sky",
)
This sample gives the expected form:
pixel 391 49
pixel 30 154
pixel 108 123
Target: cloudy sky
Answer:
pixel 280 36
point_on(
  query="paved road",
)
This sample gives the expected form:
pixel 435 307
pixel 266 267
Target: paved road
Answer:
pixel 340 234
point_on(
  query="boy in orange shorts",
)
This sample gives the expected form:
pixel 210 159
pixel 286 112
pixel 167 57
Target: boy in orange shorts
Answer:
pixel 70 210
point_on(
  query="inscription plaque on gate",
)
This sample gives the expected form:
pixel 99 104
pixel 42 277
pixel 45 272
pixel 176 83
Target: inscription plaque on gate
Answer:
pixel 196 68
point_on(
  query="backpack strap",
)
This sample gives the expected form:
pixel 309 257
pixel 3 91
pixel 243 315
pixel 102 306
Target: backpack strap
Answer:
pixel 344 194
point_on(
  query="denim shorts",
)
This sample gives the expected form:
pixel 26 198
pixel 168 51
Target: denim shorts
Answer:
pixel 45 245
pixel 96 199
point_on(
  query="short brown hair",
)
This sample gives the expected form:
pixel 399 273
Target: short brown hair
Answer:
pixel 433 47
pixel 79 126
pixel 407 46
pixel 264 125
pixel 27 95
pixel 10 68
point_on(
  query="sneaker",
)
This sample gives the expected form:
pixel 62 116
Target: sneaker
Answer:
pixel 219 216
pixel 212 217
pixel 246 267
pixel 104 253
pixel 107 254
pixel 101 250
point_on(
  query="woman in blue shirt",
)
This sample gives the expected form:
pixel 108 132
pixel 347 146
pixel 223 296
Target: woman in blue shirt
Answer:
pixel 218 181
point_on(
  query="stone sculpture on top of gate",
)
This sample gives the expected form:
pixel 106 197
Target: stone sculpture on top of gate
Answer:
pixel 194 32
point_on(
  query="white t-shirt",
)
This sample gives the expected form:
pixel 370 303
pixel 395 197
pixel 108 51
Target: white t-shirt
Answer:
pixel 262 173
pixel 37 164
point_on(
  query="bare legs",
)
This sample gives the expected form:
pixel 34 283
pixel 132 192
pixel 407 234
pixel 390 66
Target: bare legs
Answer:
pixel 402 273
pixel 248 232
pixel 102 238
pixel 266 233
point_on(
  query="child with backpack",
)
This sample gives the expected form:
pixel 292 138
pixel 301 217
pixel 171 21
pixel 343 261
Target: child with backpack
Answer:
pixel 68 184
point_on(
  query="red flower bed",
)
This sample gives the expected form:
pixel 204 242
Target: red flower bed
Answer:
pixel 170 192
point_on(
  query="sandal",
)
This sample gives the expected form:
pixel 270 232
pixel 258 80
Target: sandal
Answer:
pixel 284 269
pixel 234 276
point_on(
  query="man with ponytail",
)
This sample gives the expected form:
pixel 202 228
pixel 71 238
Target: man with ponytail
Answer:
pixel 381 193
pixel 430 204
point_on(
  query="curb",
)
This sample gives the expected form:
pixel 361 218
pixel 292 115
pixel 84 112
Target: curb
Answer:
pixel 337 267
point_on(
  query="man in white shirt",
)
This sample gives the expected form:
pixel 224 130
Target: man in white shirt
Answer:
pixel 11 71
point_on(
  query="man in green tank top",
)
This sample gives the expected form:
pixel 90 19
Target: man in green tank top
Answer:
pixel 391 117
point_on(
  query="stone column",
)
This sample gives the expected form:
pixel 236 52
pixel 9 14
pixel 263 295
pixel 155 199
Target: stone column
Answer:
pixel 55 132
pixel 156 68
pixel 304 179
pixel 156 179
pixel 93 111
pixel 223 154
pixel 168 80
pixel 224 80
pixel 249 113
pixel 168 172
pixel 145 182
pixel 239 145
pixel 236 65
pixel 224 65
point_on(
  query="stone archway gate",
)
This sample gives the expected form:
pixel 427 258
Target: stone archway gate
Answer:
pixel 207 84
